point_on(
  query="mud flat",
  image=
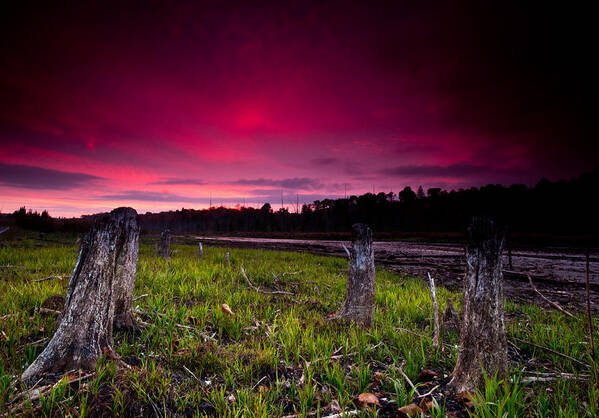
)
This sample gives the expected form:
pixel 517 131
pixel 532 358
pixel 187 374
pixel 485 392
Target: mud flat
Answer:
pixel 558 273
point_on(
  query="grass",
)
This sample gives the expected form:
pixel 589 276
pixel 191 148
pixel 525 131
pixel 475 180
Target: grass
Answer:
pixel 276 355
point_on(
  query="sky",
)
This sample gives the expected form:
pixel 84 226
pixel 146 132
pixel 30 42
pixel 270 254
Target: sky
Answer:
pixel 164 105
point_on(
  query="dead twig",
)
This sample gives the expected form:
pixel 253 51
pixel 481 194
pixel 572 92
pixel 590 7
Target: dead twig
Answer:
pixel 550 377
pixel 257 289
pixel 554 304
pixel 49 311
pixel 420 335
pixel 5 317
pixel 181 326
pixel 405 376
pixel 590 318
pixel 344 414
pixel 50 278
pixel 557 353
pixel 436 312
pixel 346 251
pixel 145 295
pixel 430 392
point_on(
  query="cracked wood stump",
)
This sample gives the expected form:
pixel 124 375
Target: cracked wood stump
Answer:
pixel 103 275
pixel 359 300
pixel 164 245
pixel 483 342
pixel 126 267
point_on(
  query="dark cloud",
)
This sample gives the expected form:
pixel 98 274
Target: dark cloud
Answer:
pixel 178 181
pixel 476 174
pixel 302 183
pixel 31 177
pixel 143 196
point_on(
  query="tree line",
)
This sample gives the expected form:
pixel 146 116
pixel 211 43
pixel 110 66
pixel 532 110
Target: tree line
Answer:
pixel 564 207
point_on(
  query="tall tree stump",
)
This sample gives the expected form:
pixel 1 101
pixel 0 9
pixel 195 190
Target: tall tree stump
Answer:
pixel 102 275
pixel 126 267
pixel 359 300
pixel 200 250
pixel 164 245
pixel 483 342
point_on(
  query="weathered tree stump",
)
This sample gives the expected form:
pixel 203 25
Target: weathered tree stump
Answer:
pixel 359 300
pixel 85 331
pixel 483 342
pixel 164 245
pixel 200 250
pixel 126 267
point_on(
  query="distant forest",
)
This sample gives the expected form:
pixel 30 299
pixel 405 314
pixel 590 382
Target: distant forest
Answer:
pixel 565 207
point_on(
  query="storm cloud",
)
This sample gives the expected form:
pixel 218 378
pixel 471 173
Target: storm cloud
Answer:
pixel 32 177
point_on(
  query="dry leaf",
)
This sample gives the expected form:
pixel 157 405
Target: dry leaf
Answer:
pixel 226 309
pixel 427 374
pixel 410 410
pixel 367 399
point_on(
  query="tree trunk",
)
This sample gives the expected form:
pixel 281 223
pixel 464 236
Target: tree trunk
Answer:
pixel 126 267
pixel 164 245
pixel 359 300
pixel 85 331
pixel 483 343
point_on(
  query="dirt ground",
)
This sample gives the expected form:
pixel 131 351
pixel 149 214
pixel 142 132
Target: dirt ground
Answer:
pixel 558 273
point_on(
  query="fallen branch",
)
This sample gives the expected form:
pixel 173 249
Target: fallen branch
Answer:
pixel 35 394
pixel 550 377
pixel 557 353
pixel 257 289
pixel 554 304
pixel 49 311
pixel 140 296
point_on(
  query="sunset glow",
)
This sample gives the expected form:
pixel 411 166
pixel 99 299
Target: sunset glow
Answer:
pixel 162 107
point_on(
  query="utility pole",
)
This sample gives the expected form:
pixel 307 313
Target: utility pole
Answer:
pixel 281 199
pixel 211 200
pixel 297 203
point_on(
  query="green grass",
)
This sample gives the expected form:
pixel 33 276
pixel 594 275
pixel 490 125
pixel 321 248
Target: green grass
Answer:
pixel 277 355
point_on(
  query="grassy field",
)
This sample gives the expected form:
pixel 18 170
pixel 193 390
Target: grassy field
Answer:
pixel 277 355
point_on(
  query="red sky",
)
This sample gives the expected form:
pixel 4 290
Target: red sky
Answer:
pixel 158 107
